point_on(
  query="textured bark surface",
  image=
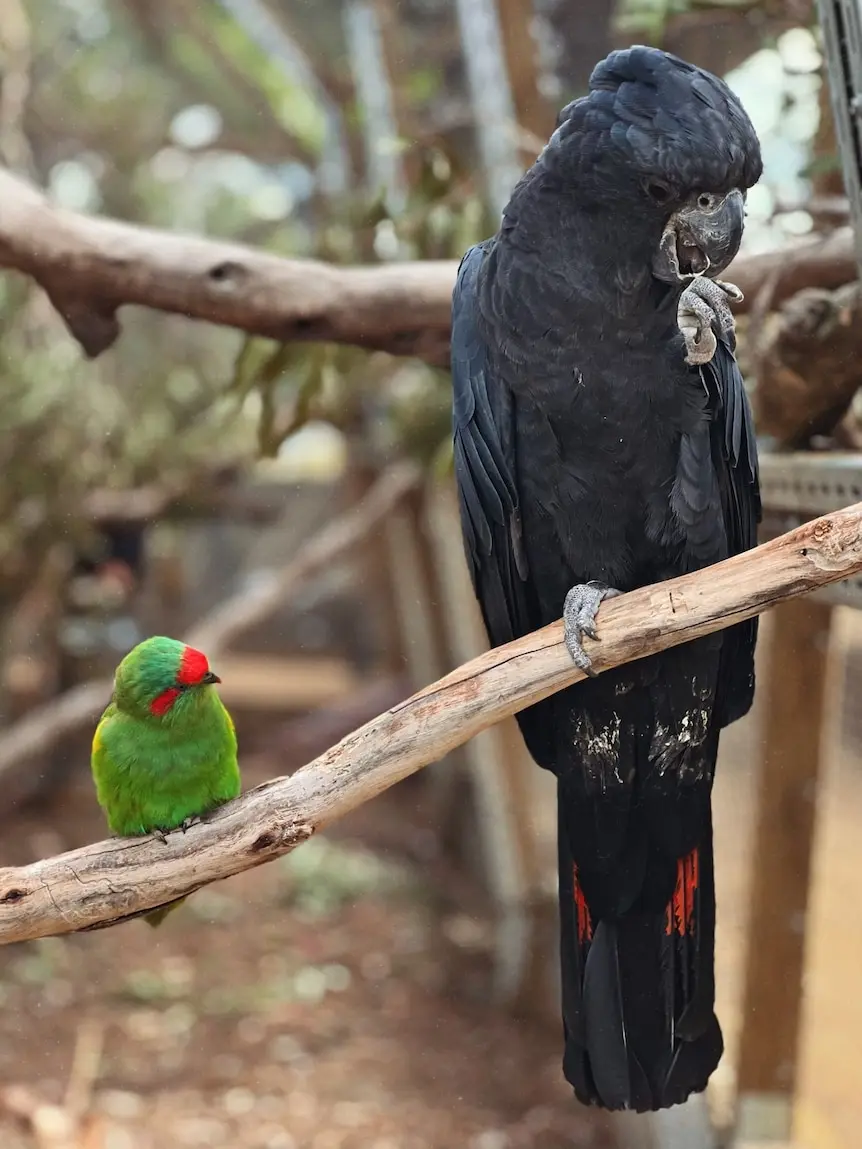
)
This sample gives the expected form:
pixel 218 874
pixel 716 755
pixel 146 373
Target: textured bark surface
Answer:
pixel 109 881
pixel 91 266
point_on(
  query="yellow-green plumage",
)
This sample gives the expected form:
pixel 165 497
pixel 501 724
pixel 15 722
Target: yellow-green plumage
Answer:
pixel 165 749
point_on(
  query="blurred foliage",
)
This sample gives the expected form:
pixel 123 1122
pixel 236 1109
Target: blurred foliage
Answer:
pixel 650 19
pixel 319 881
pixel 173 113
pixel 405 408
pixel 71 427
pixel 116 120
pixel 169 113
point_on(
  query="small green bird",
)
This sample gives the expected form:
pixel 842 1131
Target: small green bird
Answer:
pixel 164 752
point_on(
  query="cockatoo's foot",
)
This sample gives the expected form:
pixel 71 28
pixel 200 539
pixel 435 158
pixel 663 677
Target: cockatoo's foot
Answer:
pixel 702 306
pixel 579 619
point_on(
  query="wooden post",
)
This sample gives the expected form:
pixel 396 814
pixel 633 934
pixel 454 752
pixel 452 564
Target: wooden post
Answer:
pixel 397 74
pixel 416 609
pixel 31 669
pixel 532 109
pixel 498 762
pixel 420 604
pixel 787 792
pixel 374 573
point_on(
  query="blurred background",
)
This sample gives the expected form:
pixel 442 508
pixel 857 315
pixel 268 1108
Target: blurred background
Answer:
pixel 392 984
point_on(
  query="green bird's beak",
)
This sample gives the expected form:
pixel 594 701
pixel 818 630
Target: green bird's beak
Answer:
pixel 209 678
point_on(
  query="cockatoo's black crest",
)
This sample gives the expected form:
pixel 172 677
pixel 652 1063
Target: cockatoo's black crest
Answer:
pixel 650 117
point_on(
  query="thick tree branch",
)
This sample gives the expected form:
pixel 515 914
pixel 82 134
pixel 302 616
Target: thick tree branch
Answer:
pixel 108 881
pixel 808 364
pixel 44 726
pixel 822 262
pixel 91 266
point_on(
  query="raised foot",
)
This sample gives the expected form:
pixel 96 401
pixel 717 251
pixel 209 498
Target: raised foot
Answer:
pixel 579 619
pixel 703 306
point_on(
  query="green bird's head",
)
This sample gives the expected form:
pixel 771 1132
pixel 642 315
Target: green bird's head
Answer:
pixel 164 679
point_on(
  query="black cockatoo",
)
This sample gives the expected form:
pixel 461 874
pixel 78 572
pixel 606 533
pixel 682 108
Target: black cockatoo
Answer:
pixel 603 441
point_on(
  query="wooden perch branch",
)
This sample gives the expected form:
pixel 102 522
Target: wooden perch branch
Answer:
pixel 44 726
pixel 108 881
pixel 91 266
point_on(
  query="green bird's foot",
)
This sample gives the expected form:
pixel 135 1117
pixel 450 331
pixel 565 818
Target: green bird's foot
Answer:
pixel 161 834
pixel 187 823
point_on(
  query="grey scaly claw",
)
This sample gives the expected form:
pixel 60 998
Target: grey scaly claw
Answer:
pixel 702 306
pixel 161 834
pixel 187 823
pixel 579 619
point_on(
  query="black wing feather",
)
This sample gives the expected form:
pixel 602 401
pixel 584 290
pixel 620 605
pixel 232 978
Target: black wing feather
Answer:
pixel 734 454
pixel 485 469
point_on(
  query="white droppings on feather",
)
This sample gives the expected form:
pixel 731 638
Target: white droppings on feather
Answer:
pixel 599 749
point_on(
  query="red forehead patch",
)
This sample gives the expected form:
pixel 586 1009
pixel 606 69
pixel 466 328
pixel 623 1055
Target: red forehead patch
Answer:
pixel 193 666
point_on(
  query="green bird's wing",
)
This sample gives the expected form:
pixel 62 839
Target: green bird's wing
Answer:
pixel 150 776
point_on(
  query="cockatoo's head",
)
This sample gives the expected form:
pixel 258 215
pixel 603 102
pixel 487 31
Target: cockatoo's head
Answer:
pixel 667 150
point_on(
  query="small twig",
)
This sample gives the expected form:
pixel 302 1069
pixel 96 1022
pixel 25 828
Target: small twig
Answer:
pixel 86 1065
pixel 244 610
pixel 61 1126
pixel 25 668
pixel 44 726
pixel 111 880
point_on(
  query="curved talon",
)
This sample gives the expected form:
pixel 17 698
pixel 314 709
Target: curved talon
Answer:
pixel 579 619
pixel 161 834
pixel 735 293
pixel 186 823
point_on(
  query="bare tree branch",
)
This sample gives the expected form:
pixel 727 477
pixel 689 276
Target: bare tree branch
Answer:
pixel 826 263
pixel 44 726
pixel 233 617
pixel 92 266
pixel 807 356
pixel 108 881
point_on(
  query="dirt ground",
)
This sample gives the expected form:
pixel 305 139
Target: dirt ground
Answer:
pixel 334 1000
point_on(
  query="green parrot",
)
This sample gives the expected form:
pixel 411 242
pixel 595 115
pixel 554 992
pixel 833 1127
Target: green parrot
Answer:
pixel 164 752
